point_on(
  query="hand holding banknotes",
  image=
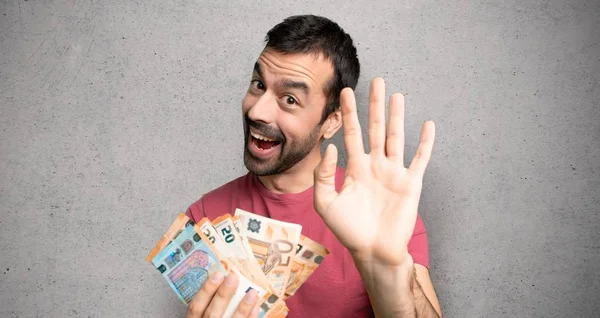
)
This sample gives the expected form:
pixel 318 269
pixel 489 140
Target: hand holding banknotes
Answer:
pixel 245 265
pixel 375 212
pixel 214 297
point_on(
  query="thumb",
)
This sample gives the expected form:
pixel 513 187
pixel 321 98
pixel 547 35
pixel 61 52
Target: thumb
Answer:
pixel 325 191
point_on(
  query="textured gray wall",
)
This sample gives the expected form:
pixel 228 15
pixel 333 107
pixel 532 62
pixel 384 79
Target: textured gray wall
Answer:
pixel 116 115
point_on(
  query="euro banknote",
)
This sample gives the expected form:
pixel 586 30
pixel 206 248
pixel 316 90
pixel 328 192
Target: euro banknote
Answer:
pixel 308 257
pixel 188 261
pixel 269 256
pixel 227 241
pixel 273 244
pixel 176 227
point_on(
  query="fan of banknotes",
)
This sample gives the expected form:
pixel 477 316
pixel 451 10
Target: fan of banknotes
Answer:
pixel 269 256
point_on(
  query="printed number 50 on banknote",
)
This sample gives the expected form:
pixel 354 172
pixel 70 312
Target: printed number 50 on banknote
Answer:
pixel 273 244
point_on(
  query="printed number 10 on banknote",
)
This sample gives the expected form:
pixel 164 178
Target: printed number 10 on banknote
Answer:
pixel 273 244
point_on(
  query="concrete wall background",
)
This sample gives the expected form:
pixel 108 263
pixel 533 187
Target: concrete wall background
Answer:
pixel 118 114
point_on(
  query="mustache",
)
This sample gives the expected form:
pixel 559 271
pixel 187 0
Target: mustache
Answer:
pixel 263 129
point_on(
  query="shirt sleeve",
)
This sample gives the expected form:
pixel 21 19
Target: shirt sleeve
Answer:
pixel 196 211
pixel 417 246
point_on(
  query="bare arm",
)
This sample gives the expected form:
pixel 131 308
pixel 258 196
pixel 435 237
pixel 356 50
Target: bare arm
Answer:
pixel 395 291
pixel 374 213
pixel 424 290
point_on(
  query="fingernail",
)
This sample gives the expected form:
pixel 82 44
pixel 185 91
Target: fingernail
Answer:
pixel 252 296
pixel 230 280
pixel 217 277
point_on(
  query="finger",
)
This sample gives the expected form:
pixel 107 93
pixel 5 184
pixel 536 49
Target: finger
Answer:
pixel 222 297
pixel 202 298
pixel 394 147
pixel 255 312
pixel 377 117
pixel 352 132
pixel 324 187
pixel 247 304
pixel 421 159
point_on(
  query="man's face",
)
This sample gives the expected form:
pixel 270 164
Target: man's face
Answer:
pixel 282 110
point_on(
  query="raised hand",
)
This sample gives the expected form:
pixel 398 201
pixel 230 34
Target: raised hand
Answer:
pixel 375 212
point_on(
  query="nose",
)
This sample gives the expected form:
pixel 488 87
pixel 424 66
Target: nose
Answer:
pixel 264 110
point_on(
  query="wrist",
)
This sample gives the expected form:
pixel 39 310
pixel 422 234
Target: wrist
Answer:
pixel 399 261
pixel 389 286
pixel 373 268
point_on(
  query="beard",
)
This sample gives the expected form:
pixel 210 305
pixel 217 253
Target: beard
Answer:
pixel 290 153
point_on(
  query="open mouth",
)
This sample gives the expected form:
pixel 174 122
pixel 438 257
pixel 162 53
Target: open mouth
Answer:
pixel 263 142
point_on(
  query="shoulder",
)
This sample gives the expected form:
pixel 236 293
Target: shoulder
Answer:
pixel 219 198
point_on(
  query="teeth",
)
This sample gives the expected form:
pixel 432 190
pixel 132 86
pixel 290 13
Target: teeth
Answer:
pixel 261 137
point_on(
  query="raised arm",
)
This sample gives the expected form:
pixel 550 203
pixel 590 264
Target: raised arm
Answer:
pixel 375 212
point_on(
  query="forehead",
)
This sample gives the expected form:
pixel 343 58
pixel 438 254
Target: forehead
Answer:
pixel 314 70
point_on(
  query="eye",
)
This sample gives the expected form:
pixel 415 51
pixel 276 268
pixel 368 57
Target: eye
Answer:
pixel 290 100
pixel 257 85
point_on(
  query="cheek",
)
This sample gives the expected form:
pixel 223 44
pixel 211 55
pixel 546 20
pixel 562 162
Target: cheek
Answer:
pixel 291 128
pixel 299 127
pixel 247 102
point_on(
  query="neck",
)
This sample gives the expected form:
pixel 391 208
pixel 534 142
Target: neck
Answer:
pixel 296 179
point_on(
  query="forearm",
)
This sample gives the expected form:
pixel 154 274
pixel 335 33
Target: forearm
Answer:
pixel 394 290
pixel 423 305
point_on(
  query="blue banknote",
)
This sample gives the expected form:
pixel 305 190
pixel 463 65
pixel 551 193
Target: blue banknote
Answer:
pixel 186 263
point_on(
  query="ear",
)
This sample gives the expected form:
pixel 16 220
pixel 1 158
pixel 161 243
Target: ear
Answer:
pixel 332 124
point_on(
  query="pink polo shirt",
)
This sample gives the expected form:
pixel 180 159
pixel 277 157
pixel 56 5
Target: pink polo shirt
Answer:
pixel 335 289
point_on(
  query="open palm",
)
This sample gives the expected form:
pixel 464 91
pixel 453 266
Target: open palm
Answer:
pixel 375 212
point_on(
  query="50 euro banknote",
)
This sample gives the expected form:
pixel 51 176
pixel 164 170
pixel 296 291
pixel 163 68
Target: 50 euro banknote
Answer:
pixel 308 257
pixel 273 244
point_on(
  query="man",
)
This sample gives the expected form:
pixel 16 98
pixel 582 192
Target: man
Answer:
pixel 366 214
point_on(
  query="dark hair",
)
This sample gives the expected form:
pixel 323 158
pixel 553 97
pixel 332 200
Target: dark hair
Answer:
pixel 318 35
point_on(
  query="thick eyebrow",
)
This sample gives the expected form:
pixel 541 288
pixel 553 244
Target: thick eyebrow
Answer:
pixel 258 69
pixel 290 84
pixel 285 83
